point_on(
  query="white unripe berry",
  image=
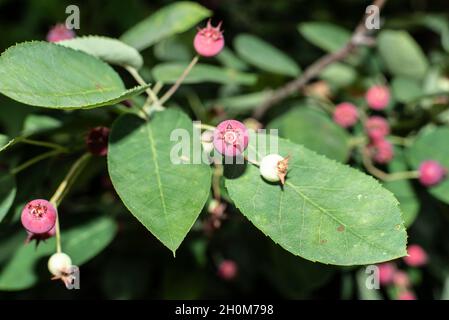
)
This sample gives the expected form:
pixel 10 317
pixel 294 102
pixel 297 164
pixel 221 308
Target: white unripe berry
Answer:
pixel 59 263
pixel 207 138
pixel 269 167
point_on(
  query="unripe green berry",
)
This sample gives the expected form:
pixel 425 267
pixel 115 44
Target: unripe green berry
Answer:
pixel 269 167
pixel 59 264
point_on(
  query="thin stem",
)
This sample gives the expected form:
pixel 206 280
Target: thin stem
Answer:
pixel 178 82
pixel 401 141
pixel 204 126
pixel 43 144
pixel 382 175
pixel 141 81
pixel 157 87
pixel 218 173
pixel 34 160
pixel 62 190
pixel 358 38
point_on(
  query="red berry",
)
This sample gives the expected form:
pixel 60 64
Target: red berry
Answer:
pixel 378 97
pixel 381 151
pixel 416 256
pixel 345 114
pixel 209 41
pixel 377 128
pixel 230 138
pixel 386 272
pixel 60 32
pixel 38 216
pixel 227 270
pixel 431 172
pixel 97 141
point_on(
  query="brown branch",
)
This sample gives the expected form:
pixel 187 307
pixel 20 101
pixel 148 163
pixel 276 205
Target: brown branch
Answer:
pixel 358 38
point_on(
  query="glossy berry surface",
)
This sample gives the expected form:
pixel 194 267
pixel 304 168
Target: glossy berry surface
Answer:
pixel 382 151
pixel 209 41
pixel 59 264
pixel 38 216
pixel 231 138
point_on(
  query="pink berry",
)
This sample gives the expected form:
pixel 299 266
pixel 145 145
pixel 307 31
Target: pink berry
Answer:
pixel 416 256
pixel 381 151
pixel 406 295
pixel 40 237
pixel 377 128
pixel 386 272
pixel 431 172
pixel 38 216
pixel 378 97
pixel 345 114
pixel 60 32
pixel 230 138
pixel 227 270
pixel 97 141
pixel 400 279
pixel 209 41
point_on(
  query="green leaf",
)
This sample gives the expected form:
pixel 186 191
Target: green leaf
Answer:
pixel 108 49
pixel 172 49
pixel 228 59
pixel 7 193
pixel 170 20
pixel 81 243
pixel 325 212
pixel 264 56
pixel 244 102
pixel 339 74
pixel 326 36
pixel 431 144
pixel 406 90
pixel 165 197
pixel 49 75
pixel 402 189
pixel 5 142
pixel 170 72
pixel 401 54
pixel 314 130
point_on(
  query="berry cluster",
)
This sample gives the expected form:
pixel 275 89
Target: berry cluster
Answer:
pixel 399 280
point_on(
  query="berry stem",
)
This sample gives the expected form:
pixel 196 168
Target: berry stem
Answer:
pixel 204 126
pixel 218 173
pixel 34 160
pixel 63 188
pixel 43 144
pixel 152 96
pixel 178 82
pixel 401 141
pixel 382 175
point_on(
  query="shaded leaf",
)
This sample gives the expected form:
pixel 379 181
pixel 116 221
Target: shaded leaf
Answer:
pixel 7 193
pixel 81 243
pixel 264 56
pixel 170 72
pixel 405 89
pixel 314 130
pixel 327 36
pixel 244 102
pixel 170 20
pixel 402 55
